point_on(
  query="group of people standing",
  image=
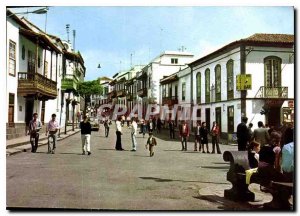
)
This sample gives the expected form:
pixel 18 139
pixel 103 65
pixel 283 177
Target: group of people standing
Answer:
pixel 201 136
pixel 270 150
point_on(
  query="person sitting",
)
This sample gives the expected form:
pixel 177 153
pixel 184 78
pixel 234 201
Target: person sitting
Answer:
pixel 287 157
pixel 253 154
pixel 275 139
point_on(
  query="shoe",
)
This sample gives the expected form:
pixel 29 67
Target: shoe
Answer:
pixel 212 152
pixel 122 149
pixel 185 149
pixel 53 152
pixel 195 149
pixel 89 153
pixel 151 155
pixel 219 152
pixel 203 152
pixel 208 152
pixel 83 153
pixel 133 150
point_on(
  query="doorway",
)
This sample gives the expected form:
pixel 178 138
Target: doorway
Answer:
pixel 11 110
pixel 230 119
pixel 219 117
pixel 207 118
pixel 29 103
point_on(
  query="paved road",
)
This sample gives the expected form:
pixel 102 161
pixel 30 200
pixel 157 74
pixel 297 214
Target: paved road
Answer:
pixel 120 180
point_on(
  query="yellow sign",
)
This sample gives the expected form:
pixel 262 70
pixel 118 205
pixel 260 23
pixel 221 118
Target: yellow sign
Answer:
pixel 243 82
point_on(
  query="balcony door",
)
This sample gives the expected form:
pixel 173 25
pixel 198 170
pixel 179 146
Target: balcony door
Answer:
pixel 272 72
pixel 31 62
pixel 11 109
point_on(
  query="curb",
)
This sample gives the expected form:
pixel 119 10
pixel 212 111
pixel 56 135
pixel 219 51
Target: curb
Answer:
pixel 23 148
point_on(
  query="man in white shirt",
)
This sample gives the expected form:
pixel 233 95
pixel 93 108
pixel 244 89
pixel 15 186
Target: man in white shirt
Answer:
pixel 52 128
pixel 119 133
pixel 133 134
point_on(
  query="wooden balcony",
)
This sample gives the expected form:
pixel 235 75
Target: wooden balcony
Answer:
pixel 35 84
pixel 272 92
pixel 69 83
pixel 121 93
pixel 112 94
pixel 142 92
pixel 170 101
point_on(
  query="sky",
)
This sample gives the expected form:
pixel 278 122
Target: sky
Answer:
pixel 111 35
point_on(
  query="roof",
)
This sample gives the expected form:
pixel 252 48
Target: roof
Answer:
pixel 175 53
pixel 169 79
pixel 259 39
pixel 105 78
pixel 274 38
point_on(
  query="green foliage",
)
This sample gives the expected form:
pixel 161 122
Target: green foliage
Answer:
pixel 88 88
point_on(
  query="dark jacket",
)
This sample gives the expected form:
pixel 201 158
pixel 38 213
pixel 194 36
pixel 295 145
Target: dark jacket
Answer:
pixel 242 132
pixel 203 135
pixel 85 127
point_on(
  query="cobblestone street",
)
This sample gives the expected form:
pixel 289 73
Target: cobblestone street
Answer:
pixel 121 180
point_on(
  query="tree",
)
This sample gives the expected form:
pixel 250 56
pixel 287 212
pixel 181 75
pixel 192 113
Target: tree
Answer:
pixel 88 88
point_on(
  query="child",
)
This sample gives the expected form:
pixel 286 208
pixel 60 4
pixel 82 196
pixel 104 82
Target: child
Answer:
pixel 253 155
pixel 151 142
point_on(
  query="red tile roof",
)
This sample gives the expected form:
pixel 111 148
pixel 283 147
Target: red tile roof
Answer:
pixel 274 38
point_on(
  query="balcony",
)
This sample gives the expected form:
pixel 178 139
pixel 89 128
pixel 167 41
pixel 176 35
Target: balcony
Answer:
pixel 130 97
pixel 272 92
pixel 35 84
pixel 121 93
pixel 112 94
pixel 69 83
pixel 142 92
pixel 170 101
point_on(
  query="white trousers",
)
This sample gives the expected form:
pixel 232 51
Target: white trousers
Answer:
pixel 86 146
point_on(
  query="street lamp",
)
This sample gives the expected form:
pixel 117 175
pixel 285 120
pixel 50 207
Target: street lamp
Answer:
pixel 38 11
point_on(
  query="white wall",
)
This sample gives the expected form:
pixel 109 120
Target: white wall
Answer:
pixel 255 67
pixel 211 64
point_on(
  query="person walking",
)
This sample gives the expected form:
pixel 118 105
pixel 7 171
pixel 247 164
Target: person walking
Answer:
pixel 151 142
pixel 34 127
pixel 150 126
pixel 106 127
pixel 215 135
pixel 242 134
pixel 133 134
pixel 197 136
pixel 184 133
pixel 144 125
pixel 172 129
pixel 86 130
pixel 118 146
pixel 261 134
pixel 203 137
pixel 159 124
pixel 250 131
pixel 52 128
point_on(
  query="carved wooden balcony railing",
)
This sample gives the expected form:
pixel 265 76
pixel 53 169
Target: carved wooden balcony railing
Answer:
pixel 272 92
pixel 35 84
pixel 170 101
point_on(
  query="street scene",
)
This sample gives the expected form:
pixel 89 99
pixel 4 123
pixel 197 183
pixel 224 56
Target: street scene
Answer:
pixel 109 111
pixel 115 180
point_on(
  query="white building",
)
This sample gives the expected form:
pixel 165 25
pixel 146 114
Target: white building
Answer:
pixel 33 75
pixel 269 60
pixel 148 79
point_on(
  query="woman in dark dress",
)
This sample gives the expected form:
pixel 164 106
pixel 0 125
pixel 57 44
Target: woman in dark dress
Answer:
pixel 203 137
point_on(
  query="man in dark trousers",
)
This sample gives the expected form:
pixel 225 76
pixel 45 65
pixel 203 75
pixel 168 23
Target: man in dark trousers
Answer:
pixel 184 133
pixel 172 129
pixel 86 130
pixel 242 134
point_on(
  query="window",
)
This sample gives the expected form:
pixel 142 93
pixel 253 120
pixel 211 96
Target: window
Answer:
pixel 46 69
pixel 218 82
pixel 11 109
pixel 170 91
pixel 183 91
pixel 164 91
pixel 198 86
pixel 23 52
pixel 12 58
pixel 207 85
pixel 229 67
pixel 176 92
pixel 273 72
pixel 174 60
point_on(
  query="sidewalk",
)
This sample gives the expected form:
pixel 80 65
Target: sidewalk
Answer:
pixel 22 144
